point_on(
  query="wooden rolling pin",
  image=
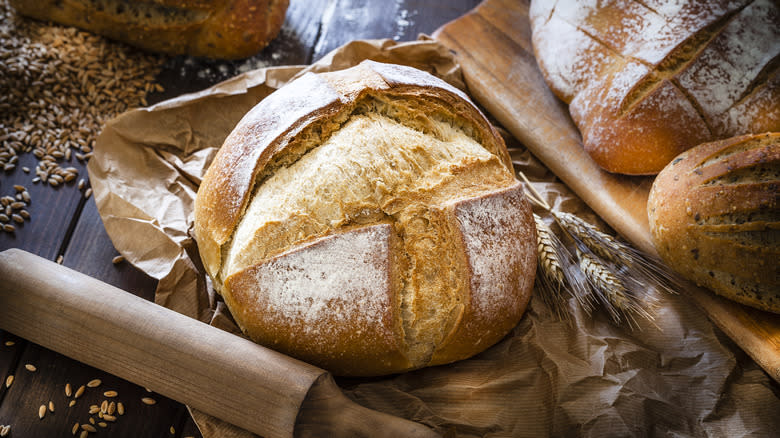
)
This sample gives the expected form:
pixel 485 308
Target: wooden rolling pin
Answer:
pixel 211 370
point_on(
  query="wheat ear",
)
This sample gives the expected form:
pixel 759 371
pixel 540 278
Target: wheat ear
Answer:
pixel 648 271
pixel 617 298
pixel 555 271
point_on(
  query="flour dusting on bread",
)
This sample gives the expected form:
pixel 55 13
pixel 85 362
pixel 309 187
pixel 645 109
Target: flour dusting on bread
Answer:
pixel 355 235
pixel 606 60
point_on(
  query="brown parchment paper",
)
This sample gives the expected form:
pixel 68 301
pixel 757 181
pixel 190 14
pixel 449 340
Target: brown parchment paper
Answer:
pixel 588 377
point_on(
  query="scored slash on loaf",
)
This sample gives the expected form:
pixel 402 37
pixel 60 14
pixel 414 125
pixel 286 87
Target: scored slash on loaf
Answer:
pixel 646 80
pixel 714 214
pixel 368 221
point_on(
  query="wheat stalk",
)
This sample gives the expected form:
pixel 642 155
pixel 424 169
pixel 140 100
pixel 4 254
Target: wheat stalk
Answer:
pixel 602 244
pixel 648 271
pixel 547 253
pixel 617 298
pixel 555 273
pixel 610 271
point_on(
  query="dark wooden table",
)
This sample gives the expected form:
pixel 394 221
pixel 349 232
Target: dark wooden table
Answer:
pixel 65 223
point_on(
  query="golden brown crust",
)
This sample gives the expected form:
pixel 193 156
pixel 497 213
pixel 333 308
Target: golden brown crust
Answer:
pixel 425 256
pixel 645 83
pixel 227 29
pixel 225 188
pixel 714 213
pixel 357 330
pixel 268 127
pixel 498 226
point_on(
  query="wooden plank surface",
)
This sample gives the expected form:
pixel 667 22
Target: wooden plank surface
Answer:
pixel 64 223
pixel 512 89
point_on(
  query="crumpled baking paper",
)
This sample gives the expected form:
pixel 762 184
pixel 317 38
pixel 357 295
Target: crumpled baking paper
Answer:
pixel 677 377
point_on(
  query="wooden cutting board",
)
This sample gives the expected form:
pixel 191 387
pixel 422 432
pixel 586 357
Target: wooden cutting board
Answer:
pixel 493 44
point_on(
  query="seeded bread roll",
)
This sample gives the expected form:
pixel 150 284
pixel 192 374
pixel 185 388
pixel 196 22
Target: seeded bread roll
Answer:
pixel 226 29
pixel 368 221
pixel 646 80
pixel 714 214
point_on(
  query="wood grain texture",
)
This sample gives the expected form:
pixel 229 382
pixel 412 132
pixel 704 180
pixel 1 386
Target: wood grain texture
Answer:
pixel 400 20
pixel 211 370
pixel 493 44
pixel 52 209
pixel 97 324
pixel 91 252
pixel 32 389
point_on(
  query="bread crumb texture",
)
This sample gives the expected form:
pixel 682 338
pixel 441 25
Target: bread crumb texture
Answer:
pixel 382 239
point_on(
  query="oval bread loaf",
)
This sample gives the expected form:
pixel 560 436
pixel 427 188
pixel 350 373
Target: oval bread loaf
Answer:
pixel 368 221
pixel 646 80
pixel 714 215
pixel 226 29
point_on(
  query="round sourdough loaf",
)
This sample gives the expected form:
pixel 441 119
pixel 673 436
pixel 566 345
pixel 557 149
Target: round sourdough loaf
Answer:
pixel 714 214
pixel 646 80
pixel 368 221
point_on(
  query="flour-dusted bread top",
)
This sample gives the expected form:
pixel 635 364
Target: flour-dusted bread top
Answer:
pixel 647 80
pixel 368 221
pixel 714 214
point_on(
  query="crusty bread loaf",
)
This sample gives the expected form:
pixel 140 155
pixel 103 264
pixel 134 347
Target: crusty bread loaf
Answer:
pixel 226 29
pixel 714 214
pixel 647 80
pixel 368 221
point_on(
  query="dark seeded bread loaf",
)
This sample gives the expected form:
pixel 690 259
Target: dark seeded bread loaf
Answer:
pixel 368 221
pixel 227 29
pixel 715 217
pixel 646 80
